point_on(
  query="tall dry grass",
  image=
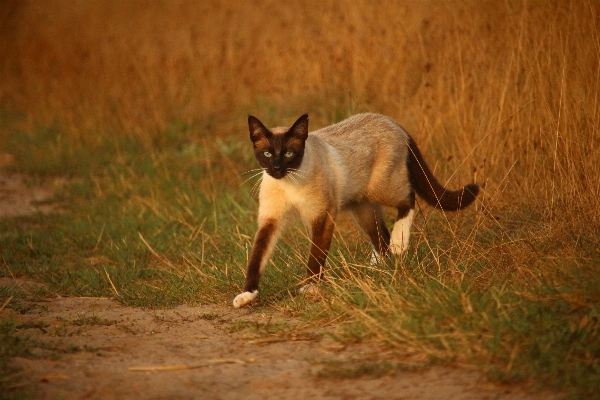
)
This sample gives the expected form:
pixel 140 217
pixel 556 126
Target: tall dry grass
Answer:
pixel 513 85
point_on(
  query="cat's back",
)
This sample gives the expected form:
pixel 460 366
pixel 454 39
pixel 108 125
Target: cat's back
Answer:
pixel 364 136
pixel 370 151
pixel 368 127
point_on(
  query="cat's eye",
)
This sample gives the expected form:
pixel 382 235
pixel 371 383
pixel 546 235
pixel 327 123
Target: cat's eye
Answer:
pixel 289 154
pixel 267 154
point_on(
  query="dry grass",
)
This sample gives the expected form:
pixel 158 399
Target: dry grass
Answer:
pixel 513 86
pixel 507 93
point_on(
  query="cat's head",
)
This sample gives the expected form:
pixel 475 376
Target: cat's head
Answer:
pixel 279 150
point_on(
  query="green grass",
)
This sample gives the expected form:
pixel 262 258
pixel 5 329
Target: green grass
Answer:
pixel 12 345
pixel 165 222
pixel 547 331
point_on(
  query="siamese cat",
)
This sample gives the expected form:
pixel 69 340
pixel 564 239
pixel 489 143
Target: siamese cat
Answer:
pixel 358 165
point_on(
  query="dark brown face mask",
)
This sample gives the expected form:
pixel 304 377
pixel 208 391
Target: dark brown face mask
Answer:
pixel 279 153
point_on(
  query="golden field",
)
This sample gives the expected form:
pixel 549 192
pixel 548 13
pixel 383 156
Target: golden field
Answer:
pixel 513 86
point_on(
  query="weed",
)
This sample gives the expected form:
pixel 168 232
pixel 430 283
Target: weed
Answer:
pixel 11 345
pixel 33 325
pixel 238 326
pixel 209 316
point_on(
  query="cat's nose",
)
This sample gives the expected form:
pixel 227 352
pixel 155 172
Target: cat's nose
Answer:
pixel 277 166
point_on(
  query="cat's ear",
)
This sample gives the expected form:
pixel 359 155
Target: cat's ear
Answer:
pixel 300 128
pixel 257 129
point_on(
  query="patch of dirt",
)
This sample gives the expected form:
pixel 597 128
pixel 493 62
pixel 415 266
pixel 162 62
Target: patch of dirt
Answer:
pixel 96 348
pixel 17 197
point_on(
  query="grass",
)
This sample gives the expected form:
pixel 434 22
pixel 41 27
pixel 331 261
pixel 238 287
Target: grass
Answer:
pixel 156 211
pixel 11 345
pixel 138 228
pixel 496 293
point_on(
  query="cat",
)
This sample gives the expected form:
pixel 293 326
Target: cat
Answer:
pixel 359 165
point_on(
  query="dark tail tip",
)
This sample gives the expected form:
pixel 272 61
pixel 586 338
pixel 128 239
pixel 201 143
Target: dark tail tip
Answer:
pixel 429 188
pixel 469 193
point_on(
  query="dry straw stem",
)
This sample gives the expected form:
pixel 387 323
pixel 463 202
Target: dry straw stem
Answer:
pixel 112 285
pixel 179 367
pixel 6 303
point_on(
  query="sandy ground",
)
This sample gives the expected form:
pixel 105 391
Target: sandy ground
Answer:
pixel 22 195
pixel 96 348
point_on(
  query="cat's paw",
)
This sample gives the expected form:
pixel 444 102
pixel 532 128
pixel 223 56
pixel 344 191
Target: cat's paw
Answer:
pixel 375 258
pixel 243 299
pixel 310 290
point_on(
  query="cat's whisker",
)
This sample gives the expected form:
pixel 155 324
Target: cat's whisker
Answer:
pixel 294 180
pixel 253 176
pixel 299 174
pixel 297 177
pixel 252 170
pixel 295 171
pixel 247 180
pixel 258 181
pixel 255 187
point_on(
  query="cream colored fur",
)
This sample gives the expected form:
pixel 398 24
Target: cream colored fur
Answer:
pixel 359 160
pixel 401 234
pixel 245 298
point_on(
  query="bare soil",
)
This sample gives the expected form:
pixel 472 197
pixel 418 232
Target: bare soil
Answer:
pixel 96 348
pixel 23 195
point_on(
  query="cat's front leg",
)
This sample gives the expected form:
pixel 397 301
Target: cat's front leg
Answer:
pixel 264 242
pixel 322 233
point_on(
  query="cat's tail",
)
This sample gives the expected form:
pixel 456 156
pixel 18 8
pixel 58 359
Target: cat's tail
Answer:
pixel 429 189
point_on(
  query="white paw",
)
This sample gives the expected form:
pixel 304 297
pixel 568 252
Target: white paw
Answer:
pixel 244 299
pixel 375 257
pixel 398 249
pixel 310 289
pixel 401 233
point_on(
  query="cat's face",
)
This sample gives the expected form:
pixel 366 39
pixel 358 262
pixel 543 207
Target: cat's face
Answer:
pixel 280 150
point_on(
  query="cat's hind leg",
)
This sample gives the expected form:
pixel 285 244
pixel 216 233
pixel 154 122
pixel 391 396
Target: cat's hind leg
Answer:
pixel 401 232
pixel 370 218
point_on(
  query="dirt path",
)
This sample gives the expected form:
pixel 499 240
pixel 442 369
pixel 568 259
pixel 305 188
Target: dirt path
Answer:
pixel 95 348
